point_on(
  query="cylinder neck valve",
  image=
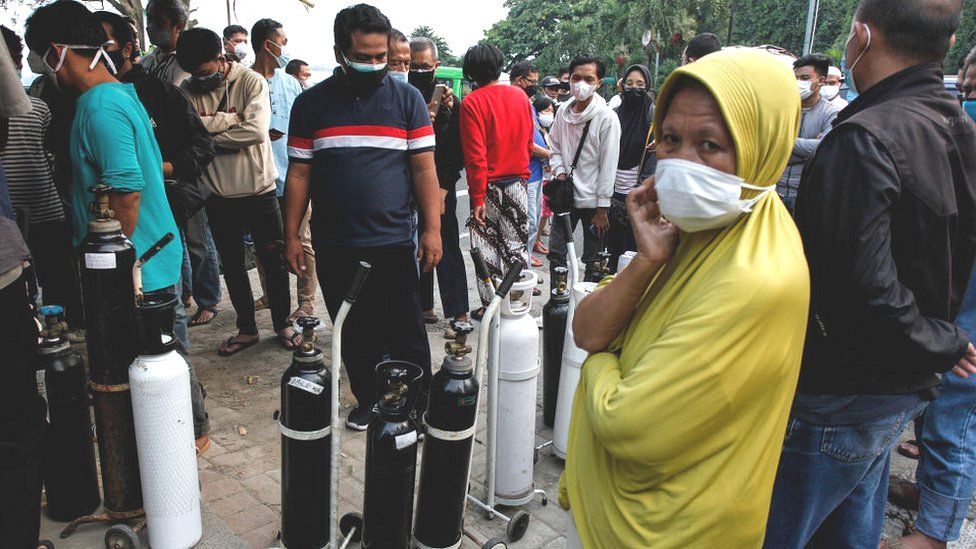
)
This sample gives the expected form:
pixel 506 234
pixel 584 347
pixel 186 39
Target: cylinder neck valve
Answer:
pixel 308 325
pixel 459 347
pixel 561 286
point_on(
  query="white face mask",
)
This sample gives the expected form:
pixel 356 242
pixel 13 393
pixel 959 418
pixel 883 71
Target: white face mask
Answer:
pixel 829 92
pixel 64 52
pixel 401 76
pixel 241 51
pixel 804 87
pixel 697 198
pixel 582 91
pixel 36 64
pixel 545 120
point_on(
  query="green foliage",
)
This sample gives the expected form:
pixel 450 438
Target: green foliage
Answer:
pixel 444 52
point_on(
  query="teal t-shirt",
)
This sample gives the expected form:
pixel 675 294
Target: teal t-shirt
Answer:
pixel 112 142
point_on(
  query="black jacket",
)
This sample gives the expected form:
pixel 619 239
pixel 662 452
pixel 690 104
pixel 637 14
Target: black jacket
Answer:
pixel 183 139
pixel 887 213
pixel 447 154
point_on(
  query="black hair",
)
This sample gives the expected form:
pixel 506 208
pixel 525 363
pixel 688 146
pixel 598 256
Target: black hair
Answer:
pixel 819 62
pixel 542 102
pixel 263 30
pixel 63 22
pixel 231 30
pixel 196 47
pixel 522 69
pixel 397 37
pixel 121 31
pixel 361 17
pixel 174 10
pixel 702 45
pixel 294 66
pixel 562 71
pixel 14 44
pixel 587 59
pixel 483 63
pixel 914 29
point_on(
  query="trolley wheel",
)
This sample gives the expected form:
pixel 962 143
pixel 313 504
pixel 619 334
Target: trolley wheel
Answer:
pixel 122 536
pixel 518 525
pixel 495 543
pixel 348 523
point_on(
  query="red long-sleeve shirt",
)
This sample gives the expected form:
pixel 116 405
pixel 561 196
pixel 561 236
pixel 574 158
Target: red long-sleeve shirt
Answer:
pixel 496 137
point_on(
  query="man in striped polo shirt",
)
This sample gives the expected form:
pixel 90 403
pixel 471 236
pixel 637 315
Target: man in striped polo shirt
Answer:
pixel 361 144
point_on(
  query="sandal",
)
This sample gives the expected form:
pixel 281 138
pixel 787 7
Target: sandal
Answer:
pixel 429 317
pixel 535 261
pixel 540 247
pixel 903 493
pixel 233 346
pixel 196 319
pixel 260 304
pixel 291 342
pixel 909 449
pixel 302 310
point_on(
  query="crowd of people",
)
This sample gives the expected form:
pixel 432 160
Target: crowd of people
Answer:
pixel 803 245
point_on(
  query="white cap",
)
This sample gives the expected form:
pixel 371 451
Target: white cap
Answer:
pixel 834 71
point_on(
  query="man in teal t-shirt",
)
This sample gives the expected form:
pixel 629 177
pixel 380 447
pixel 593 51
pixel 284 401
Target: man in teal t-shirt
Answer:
pixel 112 142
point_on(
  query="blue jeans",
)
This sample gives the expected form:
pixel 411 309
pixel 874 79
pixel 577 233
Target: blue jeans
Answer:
pixel 201 266
pixel 534 190
pixel 946 474
pixel 832 483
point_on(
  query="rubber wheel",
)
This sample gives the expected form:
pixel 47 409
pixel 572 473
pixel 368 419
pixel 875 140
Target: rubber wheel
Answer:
pixel 495 543
pixel 348 523
pixel 122 536
pixel 517 526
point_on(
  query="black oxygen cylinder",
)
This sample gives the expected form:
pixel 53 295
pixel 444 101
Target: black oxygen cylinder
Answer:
pixel 107 259
pixel 391 458
pixel 554 315
pixel 306 442
pixel 68 462
pixel 444 468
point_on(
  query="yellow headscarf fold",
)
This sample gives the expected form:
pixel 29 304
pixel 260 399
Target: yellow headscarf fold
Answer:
pixel 676 433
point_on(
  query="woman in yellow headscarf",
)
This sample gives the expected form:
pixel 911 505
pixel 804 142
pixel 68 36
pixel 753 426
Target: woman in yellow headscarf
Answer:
pixel 681 408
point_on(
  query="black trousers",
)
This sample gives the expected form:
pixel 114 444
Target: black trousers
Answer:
pixel 56 268
pixel 230 220
pixel 384 322
pixel 21 421
pixel 620 238
pixel 451 276
pixel 558 239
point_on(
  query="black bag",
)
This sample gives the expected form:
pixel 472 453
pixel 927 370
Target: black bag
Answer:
pixel 186 198
pixel 559 193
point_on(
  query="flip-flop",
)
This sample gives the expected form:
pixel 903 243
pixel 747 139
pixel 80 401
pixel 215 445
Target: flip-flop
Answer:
pixel 540 248
pixel 300 312
pixel 536 262
pixel 429 318
pixel 195 319
pixel 903 493
pixel 909 449
pixel 260 304
pixel 292 342
pixel 232 346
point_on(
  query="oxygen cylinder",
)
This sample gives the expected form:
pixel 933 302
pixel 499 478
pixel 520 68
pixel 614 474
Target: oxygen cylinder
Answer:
pixel 573 358
pixel 160 383
pixel 68 463
pixel 391 458
pixel 450 420
pixel 518 373
pixel 554 315
pixel 306 438
pixel 107 260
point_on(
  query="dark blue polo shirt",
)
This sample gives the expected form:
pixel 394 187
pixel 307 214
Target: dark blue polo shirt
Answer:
pixel 359 147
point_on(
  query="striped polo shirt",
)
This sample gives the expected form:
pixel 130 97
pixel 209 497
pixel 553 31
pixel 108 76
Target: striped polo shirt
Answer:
pixel 29 168
pixel 359 147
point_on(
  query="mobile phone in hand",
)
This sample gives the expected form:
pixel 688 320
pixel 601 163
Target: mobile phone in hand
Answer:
pixel 435 102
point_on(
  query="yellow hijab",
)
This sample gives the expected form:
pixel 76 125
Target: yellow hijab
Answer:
pixel 677 429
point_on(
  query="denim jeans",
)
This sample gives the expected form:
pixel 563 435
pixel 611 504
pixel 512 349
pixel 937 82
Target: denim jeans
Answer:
pixel 946 474
pixel 534 189
pixel 832 483
pixel 201 266
pixel 201 421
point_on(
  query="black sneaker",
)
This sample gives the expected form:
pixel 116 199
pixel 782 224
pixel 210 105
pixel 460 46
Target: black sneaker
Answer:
pixel 359 417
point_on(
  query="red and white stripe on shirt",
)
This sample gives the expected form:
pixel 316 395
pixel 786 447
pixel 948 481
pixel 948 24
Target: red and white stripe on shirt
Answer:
pixel 377 137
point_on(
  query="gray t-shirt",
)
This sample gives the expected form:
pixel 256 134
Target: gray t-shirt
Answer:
pixel 814 125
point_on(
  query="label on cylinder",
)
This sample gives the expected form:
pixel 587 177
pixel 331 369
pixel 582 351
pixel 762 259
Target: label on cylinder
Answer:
pixel 100 261
pixel 405 440
pixel 306 385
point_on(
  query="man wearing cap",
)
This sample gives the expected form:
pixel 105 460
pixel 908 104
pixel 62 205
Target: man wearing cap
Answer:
pixel 550 86
pixel 831 88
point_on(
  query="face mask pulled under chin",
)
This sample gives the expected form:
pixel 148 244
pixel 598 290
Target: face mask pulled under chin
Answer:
pixel 698 198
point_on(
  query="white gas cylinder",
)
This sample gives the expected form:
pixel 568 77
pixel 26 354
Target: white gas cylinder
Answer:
pixel 569 373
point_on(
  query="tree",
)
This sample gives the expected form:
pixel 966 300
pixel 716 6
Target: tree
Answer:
pixel 444 52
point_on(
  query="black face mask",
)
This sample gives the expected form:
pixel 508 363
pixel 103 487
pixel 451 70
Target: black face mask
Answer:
pixel 634 96
pixel 531 91
pixel 206 84
pixel 425 81
pixel 118 59
pixel 364 81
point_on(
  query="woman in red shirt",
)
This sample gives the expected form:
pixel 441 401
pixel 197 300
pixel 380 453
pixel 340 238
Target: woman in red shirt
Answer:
pixel 496 140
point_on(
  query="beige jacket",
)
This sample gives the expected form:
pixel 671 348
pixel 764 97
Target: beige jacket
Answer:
pixel 244 165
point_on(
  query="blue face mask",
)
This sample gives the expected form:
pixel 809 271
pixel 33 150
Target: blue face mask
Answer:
pixel 401 76
pixel 849 70
pixel 282 58
pixel 969 105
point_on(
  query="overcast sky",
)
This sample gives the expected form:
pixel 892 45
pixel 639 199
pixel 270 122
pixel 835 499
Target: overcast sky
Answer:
pixel 310 30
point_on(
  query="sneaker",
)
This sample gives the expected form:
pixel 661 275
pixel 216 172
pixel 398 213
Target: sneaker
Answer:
pixel 359 417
